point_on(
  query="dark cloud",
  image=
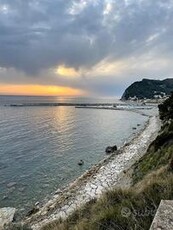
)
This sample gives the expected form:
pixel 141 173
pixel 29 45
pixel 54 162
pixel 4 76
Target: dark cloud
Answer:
pixel 37 35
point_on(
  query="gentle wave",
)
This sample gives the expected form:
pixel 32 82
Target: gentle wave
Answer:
pixel 41 146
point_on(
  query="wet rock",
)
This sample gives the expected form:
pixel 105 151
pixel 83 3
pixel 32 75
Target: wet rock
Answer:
pixel 81 162
pixel 37 203
pixel 11 184
pixel 58 191
pixel 32 211
pixel 114 148
pixel 6 216
pixel 108 150
pixel 134 128
pixel 111 149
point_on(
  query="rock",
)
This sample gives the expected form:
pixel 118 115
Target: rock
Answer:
pixel 32 211
pixel 111 149
pixel 58 191
pixel 114 148
pixel 108 150
pixel 134 128
pixel 6 216
pixel 138 124
pixel 81 162
pixel 37 203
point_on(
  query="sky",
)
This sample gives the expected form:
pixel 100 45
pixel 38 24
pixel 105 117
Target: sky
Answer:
pixel 83 47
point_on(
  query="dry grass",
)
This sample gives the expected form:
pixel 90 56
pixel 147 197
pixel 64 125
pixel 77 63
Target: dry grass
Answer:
pixel 132 209
pixel 122 209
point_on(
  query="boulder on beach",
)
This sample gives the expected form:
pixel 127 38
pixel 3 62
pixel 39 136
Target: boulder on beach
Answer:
pixel 108 150
pixel 111 149
pixel 114 148
pixel 6 216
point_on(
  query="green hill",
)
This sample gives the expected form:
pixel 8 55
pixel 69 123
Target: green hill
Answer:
pixel 148 89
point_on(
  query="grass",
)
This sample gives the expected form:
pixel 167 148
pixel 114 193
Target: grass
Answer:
pixel 152 160
pixel 122 209
pixel 133 208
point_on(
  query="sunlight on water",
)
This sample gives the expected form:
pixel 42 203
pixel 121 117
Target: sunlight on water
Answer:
pixel 41 146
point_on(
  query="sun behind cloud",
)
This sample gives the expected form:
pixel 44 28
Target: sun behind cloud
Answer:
pixel 66 71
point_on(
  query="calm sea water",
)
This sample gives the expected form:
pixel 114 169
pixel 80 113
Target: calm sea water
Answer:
pixel 41 146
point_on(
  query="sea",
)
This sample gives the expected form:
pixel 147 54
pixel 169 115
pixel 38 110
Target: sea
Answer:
pixel 40 146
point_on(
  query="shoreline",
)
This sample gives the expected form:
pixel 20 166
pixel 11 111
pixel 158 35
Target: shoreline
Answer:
pixel 109 172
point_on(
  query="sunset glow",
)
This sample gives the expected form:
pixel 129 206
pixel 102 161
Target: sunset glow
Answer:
pixel 96 48
pixel 39 90
pixel 67 72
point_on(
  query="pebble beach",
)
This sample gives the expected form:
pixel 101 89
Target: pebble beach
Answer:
pixel 113 171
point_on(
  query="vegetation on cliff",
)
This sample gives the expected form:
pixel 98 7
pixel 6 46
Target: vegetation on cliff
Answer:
pixel 148 89
pixel 133 208
pixel 160 152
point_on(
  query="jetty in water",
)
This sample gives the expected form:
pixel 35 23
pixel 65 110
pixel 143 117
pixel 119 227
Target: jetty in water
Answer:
pixel 117 107
pixel 109 106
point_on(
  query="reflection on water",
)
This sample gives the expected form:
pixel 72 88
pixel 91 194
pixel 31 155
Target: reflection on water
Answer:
pixel 41 146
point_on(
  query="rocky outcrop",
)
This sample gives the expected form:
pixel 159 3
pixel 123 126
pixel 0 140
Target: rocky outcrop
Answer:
pixel 148 89
pixel 6 216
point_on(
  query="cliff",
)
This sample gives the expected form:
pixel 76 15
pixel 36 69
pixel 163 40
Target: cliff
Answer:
pixel 148 89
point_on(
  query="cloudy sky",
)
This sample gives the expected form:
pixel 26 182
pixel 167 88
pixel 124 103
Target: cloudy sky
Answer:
pixel 83 47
